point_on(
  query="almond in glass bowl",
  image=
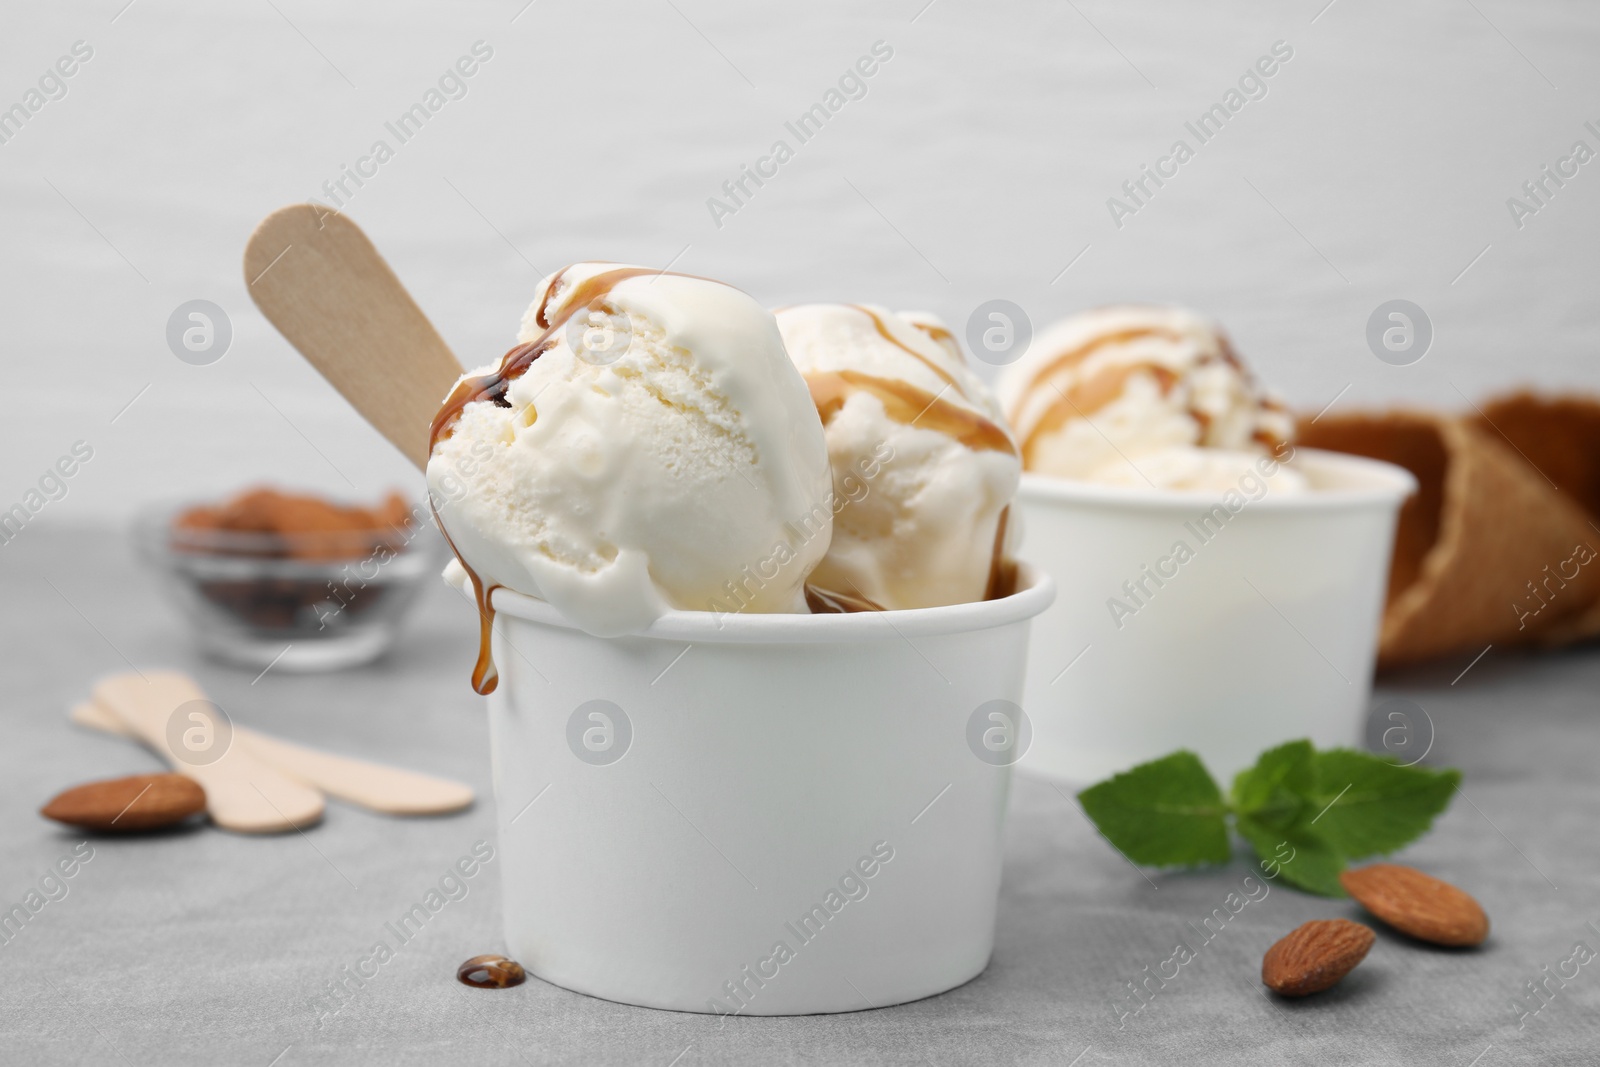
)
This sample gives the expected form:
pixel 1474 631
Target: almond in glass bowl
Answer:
pixel 306 583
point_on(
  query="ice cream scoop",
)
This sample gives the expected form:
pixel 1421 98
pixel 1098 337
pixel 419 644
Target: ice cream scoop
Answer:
pixel 1143 396
pixel 923 465
pixel 647 446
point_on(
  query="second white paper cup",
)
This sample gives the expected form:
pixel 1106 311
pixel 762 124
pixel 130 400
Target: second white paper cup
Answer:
pixel 761 814
pixel 1261 629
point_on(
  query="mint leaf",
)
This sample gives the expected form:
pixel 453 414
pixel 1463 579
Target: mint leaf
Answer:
pixel 1273 790
pixel 1369 805
pixel 1165 813
pixel 1304 812
pixel 1299 858
pixel 1273 805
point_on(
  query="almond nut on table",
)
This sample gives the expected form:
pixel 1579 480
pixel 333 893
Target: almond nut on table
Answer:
pixel 127 805
pixel 1418 904
pixel 1315 956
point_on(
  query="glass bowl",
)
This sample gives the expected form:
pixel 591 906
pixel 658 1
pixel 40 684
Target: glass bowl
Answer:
pixel 311 601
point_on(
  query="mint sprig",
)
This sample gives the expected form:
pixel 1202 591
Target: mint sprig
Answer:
pixel 1167 813
pixel 1305 813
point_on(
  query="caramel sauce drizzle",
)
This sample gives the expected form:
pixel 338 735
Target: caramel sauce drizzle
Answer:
pixel 1058 414
pixel 492 387
pixel 515 363
pixel 1084 398
pixel 912 406
pixel 909 406
pixel 883 331
pixel 485 676
pixel 1229 356
pixel 938 333
pixel 1264 436
pixel 1002 571
pixel 1073 356
pixel 1095 396
pixel 827 602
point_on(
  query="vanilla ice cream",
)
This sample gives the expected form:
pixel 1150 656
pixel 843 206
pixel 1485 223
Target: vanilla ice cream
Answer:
pixel 647 447
pixel 923 466
pixel 1143 396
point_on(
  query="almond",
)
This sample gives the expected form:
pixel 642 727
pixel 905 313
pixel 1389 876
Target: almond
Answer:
pixel 1315 956
pixel 1418 904
pixel 126 805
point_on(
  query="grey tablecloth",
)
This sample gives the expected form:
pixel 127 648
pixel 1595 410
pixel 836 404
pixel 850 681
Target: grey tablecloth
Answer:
pixel 207 948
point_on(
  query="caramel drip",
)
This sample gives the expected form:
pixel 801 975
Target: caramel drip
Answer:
pixel 1084 398
pixel 515 363
pixel 492 387
pixel 1054 417
pixel 491 972
pixel 1073 356
pixel 883 331
pixel 1002 572
pixel 1002 581
pixel 828 602
pixel 485 675
pixel 1262 435
pixel 1089 396
pixel 485 678
pixel 910 406
pixel 1229 356
pixel 541 317
pixel 1266 401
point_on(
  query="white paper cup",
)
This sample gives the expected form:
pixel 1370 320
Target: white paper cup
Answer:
pixel 1267 633
pixel 675 805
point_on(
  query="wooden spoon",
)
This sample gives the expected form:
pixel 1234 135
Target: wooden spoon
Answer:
pixel 317 278
pixel 242 792
pixel 373 786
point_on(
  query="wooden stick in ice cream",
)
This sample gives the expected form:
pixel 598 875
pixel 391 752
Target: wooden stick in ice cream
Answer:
pixel 319 280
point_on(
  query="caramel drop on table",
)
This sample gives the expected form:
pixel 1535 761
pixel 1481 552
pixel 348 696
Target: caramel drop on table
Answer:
pixel 491 972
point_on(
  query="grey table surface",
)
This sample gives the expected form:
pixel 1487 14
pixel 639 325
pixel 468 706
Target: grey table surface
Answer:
pixel 210 948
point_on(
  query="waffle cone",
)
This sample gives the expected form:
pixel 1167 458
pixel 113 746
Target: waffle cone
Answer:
pixel 1487 552
pixel 1560 437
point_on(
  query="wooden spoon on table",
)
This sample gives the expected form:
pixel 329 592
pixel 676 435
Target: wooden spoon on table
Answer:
pixel 374 786
pixel 242 792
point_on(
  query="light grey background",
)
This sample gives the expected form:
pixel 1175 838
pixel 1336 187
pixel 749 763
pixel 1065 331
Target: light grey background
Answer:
pixel 977 166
